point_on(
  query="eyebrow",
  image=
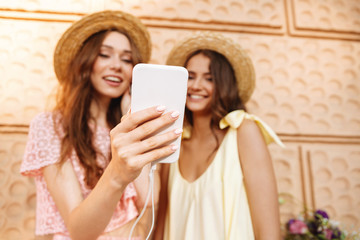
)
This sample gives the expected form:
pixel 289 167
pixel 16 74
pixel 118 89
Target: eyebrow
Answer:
pixel 110 47
pixel 193 72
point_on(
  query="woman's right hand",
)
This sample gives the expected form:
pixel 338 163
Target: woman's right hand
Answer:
pixel 132 143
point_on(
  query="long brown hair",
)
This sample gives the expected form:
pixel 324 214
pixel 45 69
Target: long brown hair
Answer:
pixel 225 96
pixel 73 103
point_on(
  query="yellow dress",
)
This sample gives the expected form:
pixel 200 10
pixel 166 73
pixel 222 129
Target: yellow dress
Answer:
pixel 215 205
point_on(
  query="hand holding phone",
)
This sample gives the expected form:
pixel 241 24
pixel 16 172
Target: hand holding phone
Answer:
pixel 156 85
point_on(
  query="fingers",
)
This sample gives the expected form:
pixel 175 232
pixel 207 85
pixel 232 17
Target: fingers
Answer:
pixel 134 142
pixel 158 141
pixel 149 128
pixel 131 121
pixel 127 147
pixel 157 154
pixel 138 161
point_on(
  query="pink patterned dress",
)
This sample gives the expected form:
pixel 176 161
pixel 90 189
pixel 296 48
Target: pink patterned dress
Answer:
pixel 43 149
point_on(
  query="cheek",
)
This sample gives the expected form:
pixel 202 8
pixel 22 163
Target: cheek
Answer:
pixel 210 88
pixel 189 84
pixel 97 66
pixel 129 72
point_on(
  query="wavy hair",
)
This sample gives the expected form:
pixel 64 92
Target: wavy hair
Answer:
pixel 225 97
pixel 73 105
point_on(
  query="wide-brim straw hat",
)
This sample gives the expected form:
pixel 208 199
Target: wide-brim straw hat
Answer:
pixel 238 58
pixel 74 37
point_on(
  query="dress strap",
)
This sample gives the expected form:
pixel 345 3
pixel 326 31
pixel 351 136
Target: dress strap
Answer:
pixel 235 118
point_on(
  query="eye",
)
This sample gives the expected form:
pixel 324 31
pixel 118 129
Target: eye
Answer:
pixel 126 57
pixel 191 76
pixel 103 55
pixel 127 61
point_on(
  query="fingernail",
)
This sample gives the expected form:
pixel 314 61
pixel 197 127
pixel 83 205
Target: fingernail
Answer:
pixel 174 147
pixel 160 108
pixel 178 131
pixel 175 114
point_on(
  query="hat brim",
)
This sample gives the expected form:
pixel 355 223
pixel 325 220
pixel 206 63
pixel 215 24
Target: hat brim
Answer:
pixel 74 37
pixel 238 58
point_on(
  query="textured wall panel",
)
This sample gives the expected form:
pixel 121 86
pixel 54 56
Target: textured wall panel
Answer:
pixel 17 196
pixel 340 15
pixel 26 70
pixel 78 6
pixel 335 175
pixel 262 12
pixel 289 179
pixel 330 19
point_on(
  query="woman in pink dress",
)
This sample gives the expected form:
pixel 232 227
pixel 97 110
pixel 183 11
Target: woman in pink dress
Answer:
pixel 90 169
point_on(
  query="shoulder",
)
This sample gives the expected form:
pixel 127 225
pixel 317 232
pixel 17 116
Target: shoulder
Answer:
pixel 249 125
pixel 250 137
pixel 248 128
pixel 44 120
pixel 43 145
pixel 252 147
pixel 45 126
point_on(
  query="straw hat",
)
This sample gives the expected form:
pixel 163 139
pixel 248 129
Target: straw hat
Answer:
pixel 239 60
pixel 72 40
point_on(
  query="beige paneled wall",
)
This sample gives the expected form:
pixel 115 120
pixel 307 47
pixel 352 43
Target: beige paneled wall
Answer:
pixel 307 60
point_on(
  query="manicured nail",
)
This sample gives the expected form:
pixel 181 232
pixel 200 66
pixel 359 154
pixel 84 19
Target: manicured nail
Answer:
pixel 174 147
pixel 160 108
pixel 178 131
pixel 175 114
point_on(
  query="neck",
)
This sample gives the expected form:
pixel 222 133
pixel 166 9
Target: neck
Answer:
pixel 201 126
pixel 98 110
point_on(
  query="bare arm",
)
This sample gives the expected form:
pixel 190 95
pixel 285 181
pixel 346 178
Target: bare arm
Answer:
pixel 142 186
pixel 260 181
pixel 132 149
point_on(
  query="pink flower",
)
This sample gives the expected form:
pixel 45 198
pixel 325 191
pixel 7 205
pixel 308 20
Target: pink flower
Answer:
pixel 297 227
pixel 328 233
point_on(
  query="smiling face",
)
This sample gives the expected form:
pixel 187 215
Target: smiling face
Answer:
pixel 200 84
pixel 112 70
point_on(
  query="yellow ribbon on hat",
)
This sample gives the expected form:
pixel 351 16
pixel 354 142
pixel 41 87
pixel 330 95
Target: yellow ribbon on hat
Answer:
pixel 235 118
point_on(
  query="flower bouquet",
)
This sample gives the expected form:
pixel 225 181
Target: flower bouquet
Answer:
pixel 317 226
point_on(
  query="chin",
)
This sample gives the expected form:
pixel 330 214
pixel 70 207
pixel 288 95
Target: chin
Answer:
pixel 115 94
pixel 199 109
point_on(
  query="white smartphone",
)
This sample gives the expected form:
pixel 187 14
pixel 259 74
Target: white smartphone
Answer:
pixel 155 85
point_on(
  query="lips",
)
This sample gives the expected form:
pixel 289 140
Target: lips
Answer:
pixel 114 79
pixel 196 96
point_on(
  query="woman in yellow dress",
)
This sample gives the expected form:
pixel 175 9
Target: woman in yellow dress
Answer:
pixel 223 186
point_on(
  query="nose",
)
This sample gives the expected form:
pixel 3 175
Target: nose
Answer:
pixel 195 83
pixel 116 64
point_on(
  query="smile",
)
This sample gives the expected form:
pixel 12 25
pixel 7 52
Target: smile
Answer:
pixel 113 79
pixel 196 96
